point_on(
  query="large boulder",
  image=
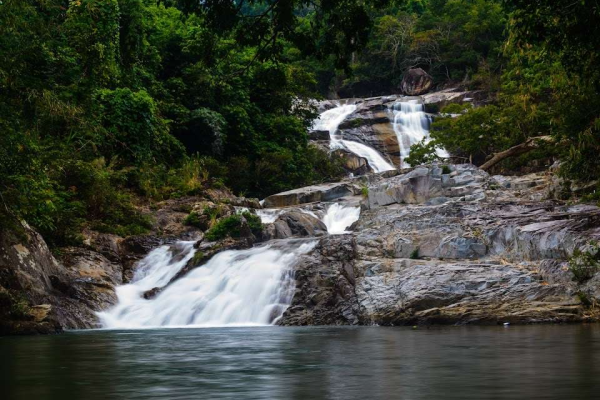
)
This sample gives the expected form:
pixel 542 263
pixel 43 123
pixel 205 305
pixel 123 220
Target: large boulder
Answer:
pixel 309 194
pixel 416 82
pixel 352 163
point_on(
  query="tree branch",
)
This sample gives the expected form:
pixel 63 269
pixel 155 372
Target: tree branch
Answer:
pixel 525 147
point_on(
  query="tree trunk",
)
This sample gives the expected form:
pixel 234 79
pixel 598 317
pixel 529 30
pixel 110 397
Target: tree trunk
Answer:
pixel 530 144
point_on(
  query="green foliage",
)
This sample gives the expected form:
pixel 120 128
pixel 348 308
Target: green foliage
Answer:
pixel 364 191
pixel 422 153
pixel 102 99
pixel 232 226
pixel 477 134
pixel 414 255
pixel 254 222
pixel 456 108
pixel 226 227
pixel 455 40
pixel 193 219
pixel 446 170
pixel 584 264
pixel 198 258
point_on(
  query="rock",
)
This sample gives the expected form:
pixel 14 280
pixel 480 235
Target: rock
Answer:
pixel 318 135
pixel 44 288
pixel 352 163
pixel 152 293
pixel 245 202
pixel 479 252
pixel 302 224
pixel 434 102
pixel 40 313
pixel 416 82
pixel 424 184
pixel 309 194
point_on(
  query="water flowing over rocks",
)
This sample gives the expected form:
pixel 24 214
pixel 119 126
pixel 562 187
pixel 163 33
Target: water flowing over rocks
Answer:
pixel 374 123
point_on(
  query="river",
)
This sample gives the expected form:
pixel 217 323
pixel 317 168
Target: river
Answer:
pixel 515 362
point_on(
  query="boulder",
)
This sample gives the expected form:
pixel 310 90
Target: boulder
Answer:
pixel 309 194
pixel 416 82
pixel 352 163
pixel 318 135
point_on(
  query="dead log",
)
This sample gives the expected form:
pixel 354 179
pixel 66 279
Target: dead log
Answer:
pixel 525 147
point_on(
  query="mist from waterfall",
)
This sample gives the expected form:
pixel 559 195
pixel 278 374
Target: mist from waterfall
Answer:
pixel 235 288
pixel 330 120
pixel 411 125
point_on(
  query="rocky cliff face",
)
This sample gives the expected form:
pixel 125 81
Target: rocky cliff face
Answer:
pixel 456 247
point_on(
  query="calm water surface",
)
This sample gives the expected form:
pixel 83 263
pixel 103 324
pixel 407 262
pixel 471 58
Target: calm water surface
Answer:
pixel 531 362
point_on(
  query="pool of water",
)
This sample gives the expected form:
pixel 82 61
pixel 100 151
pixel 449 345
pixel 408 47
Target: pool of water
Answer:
pixel 529 362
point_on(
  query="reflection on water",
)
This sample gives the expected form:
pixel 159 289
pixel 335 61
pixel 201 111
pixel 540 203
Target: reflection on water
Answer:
pixel 532 362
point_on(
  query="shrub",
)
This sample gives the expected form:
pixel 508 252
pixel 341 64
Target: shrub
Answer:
pixel 446 170
pixel 228 226
pixel 456 108
pixel 232 226
pixel 254 222
pixel 414 255
pixel 422 153
pixel 584 264
pixel 193 219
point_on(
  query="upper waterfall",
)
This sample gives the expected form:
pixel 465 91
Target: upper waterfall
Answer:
pixel 411 125
pixel 330 120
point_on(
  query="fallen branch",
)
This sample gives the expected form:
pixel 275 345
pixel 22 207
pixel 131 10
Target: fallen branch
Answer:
pixel 530 144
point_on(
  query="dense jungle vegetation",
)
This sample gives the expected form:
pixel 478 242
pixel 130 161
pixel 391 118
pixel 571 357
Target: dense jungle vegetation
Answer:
pixel 108 104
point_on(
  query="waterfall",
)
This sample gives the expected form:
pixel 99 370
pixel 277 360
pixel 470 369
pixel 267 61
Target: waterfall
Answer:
pixel 411 125
pixel 339 217
pixel 330 120
pixel 235 288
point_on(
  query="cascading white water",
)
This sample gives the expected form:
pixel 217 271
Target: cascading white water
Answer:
pixel 235 288
pixel 411 125
pixel 268 216
pixel 339 217
pixel 330 120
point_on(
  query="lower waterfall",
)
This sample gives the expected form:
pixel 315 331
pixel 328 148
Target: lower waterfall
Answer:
pixel 235 288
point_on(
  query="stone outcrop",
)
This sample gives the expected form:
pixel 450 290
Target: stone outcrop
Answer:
pixel 310 194
pixel 416 82
pixel 453 248
pixel 352 163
